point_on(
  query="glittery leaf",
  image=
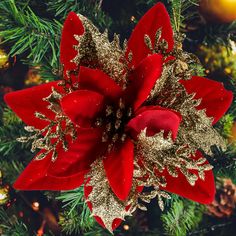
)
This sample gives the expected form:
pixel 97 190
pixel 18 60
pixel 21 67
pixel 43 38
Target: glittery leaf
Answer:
pixel 96 51
pixel 104 203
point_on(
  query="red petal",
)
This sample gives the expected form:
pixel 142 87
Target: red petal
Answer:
pixel 155 120
pixel 28 101
pixel 215 98
pixel 82 106
pixel 67 172
pixel 119 168
pixel 72 26
pixel 96 80
pixel 36 177
pixel 143 79
pixel 156 18
pixel 203 191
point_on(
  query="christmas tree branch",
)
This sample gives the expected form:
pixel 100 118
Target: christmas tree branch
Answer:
pixel 182 217
pixel 29 34
pixel 179 12
pixel 90 8
pixel 77 214
pixel 10 225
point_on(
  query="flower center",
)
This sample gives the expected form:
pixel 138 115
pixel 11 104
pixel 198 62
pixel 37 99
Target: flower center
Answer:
pixel 114 121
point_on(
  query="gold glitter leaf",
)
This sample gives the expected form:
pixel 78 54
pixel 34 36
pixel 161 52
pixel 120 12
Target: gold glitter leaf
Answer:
pixel 96 51
pixel 104 203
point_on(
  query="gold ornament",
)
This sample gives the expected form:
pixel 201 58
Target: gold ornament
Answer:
pixel 219 10
pixel 4 59
pixel 4 192
pixel 4 195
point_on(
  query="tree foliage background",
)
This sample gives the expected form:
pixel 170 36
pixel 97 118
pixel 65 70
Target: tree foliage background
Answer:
pixel 30 32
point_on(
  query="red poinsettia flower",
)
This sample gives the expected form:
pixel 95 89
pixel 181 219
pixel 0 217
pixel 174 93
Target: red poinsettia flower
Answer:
pixel 110 118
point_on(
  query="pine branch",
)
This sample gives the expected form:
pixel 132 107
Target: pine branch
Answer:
pixel 219 33
pixel 11 169
pixel 90 8
pixel 224 162
pixel 10 118
pixel 77 214
pixel 182 217
pixel 11 226
pixel 29 34
pixel 9 146
pixel 179 12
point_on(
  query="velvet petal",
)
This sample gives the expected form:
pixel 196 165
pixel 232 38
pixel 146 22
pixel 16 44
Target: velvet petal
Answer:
pixel 142 80
pixel 82 106
pixel 156 18
pixel 67 172
pixel 28 101
pixel 155 120
pixel 96 80
pixel 215 98
pixel 72 26
pixel 203 191
pixel 119 168
pixel 36 177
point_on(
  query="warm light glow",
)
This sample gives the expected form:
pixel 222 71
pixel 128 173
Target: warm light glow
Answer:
pixel 126 227
pixel 40 232
pixel 35 206
pixel 3 196
pixel 132 18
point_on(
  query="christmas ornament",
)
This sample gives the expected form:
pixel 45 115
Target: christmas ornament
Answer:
pixel 122 118
pixel 4 195
pixel 4 192
pixel 219 10
pixel 4 59
pixel 225 200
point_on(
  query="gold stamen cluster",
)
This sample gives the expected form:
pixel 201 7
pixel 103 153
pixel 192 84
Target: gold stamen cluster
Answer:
pixel 114 122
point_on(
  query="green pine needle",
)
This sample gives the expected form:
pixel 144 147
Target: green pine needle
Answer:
pixel 182 217
pixel 179 12
pixel 37 38
pixel 11 226
pixel 78 216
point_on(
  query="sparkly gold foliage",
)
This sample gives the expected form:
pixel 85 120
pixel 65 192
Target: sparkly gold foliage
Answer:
pixel 96 51
pixel 104 202
pixel 107 206
pixel 161 153
pixel 56 134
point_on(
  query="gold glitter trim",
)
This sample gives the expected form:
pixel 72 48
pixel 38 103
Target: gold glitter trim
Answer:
pixel 58 133
pixel 104 203
pixel 159 153
pixel 96 51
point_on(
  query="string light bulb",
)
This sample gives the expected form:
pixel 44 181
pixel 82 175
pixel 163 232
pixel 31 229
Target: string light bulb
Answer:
pixel 35 206
pixel 126 227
